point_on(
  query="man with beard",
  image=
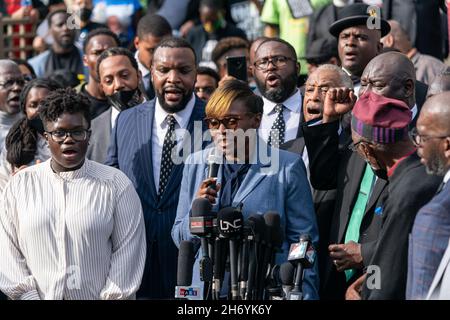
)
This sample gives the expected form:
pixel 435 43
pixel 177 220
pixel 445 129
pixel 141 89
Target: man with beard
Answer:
pixel 380 136
pixel 121 82
pixel 96 42
pixel 63 54
pixel 431 231
pixel 142 143
pixel 11 84
pixel 275 70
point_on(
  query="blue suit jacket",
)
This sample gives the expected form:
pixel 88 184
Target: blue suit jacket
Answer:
pixel 284 189
pixel 427 243
pixel 131 152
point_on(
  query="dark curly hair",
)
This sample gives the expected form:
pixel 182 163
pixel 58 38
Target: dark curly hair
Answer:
pixel 21 141
pixel 64 101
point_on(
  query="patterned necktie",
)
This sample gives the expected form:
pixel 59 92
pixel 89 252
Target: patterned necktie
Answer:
pixel 166 157
pixel 276 136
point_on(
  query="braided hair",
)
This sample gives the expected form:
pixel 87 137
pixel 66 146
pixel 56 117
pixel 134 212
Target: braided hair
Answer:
pixel 21 141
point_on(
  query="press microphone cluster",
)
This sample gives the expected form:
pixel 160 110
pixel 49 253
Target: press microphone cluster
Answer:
pixel 228 243
pixel 186 259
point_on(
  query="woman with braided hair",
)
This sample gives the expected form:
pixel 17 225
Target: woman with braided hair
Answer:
pixel 25 144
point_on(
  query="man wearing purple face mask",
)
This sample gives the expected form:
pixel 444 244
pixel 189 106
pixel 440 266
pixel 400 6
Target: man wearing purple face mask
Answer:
pixel 361 187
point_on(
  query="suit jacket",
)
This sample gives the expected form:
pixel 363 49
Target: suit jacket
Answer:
pixel 100 137
pixel 440 288
pixel 343 170
pixel 281 187
pixel 131 152
pixel 410 187
pixel 427 244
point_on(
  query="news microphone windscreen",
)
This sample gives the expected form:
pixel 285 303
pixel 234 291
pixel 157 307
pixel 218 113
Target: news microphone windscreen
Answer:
pixel 230 221
pixel 287 270
pixel 186 258
pixel 257 225
pixel 213 165
pixel 272 220
pixel 201 207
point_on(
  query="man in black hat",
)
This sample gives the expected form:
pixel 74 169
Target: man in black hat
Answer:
pixel 322 51
pixel 358 30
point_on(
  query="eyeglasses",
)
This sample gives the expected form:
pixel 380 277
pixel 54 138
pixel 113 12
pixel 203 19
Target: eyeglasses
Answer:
pixel 8 84
pixel 229 122
pixel 418 139
pixel 277 61
pixel 354 146
pixel 61 135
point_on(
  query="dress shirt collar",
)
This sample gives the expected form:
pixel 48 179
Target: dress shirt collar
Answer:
pixel 182 117
pixel 141 67
pixel 447 176
pixel 293 103
pixel 414 111
pixel 70 175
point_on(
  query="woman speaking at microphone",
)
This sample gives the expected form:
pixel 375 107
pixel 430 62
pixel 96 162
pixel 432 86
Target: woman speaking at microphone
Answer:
pixel 251 173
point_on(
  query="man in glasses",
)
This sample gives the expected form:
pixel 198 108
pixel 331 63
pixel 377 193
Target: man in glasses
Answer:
pixel 70 228
pixel 431 231
pixel 276 70
pixel 380 136
pixel 11 85
pixel 234 115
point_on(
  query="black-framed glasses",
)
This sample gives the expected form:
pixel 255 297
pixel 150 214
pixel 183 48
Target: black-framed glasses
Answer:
pixel 8 84
pixel 418 139
pixel 229 122
pixel 78 135
pixel 277 61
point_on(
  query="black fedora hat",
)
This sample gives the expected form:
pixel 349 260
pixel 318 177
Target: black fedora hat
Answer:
pixel 358 14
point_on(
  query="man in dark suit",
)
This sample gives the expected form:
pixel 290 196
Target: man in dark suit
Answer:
pixel 431 230
pixel 145 142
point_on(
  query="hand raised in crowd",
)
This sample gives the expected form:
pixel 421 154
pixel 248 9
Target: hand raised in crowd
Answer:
pixel 354 290
pixel 208 192
pixel 338 101
pixel 346 256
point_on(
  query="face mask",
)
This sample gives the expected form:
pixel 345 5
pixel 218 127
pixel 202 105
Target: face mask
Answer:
pixel 125 99
pixel 36 124
pixel 85 14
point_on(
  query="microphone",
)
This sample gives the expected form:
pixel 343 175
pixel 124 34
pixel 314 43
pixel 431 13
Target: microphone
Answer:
pixel 273 240
pixel 201 225
pixel 287 278
pixel 257 228
pixel 186 259
pixel 230 222
pixel 304 255
pixel 213 168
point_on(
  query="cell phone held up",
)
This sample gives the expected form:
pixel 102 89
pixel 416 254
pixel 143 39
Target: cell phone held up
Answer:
pixel 237 67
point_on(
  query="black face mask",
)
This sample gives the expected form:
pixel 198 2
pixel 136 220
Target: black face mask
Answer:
pixel 36 124
pixel 125 99
pixel 85 14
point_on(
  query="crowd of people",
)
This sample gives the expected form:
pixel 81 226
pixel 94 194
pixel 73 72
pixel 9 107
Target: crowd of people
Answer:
pixel 341 125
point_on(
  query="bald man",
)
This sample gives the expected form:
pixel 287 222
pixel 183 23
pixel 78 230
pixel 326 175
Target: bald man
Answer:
pixel 431 231
pixel 11 85
pixel 427 67
pixel 440 84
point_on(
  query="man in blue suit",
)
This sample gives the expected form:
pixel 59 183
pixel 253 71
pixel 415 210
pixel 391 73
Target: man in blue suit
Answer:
pixel 141 146
pixel 260 177
pixel 431 231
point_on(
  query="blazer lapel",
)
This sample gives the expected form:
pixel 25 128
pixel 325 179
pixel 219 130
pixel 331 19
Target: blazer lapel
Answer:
pixel 445 263
pixel 378 188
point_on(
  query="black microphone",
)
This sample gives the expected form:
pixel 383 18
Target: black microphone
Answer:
pixel 304 255
pixel 213 168
pixel 257 229
pixel 287 271
pixel 230 222
pixel 186 259
pixel 273 241
pixel 201 225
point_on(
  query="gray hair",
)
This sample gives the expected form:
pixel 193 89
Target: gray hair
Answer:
pixel 346 81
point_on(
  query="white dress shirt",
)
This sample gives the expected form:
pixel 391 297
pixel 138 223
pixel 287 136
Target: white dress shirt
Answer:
pixel 144 71
pixel 160 127
pixel 447 176
pixel 73 235
pixel 291 114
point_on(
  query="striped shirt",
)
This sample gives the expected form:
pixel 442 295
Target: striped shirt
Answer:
pixel 73 235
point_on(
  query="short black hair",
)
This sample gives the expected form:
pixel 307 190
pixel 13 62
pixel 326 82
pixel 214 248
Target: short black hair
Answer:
pixel 65 78
pixel 287 44
pixel 117 51
pixel 64 101
pixel 23 62
pixel 227 44
pixel 155 25
pixel 175 42
pixel 52 14
pixel 213 4
pixel 100 32
pixel 209 72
